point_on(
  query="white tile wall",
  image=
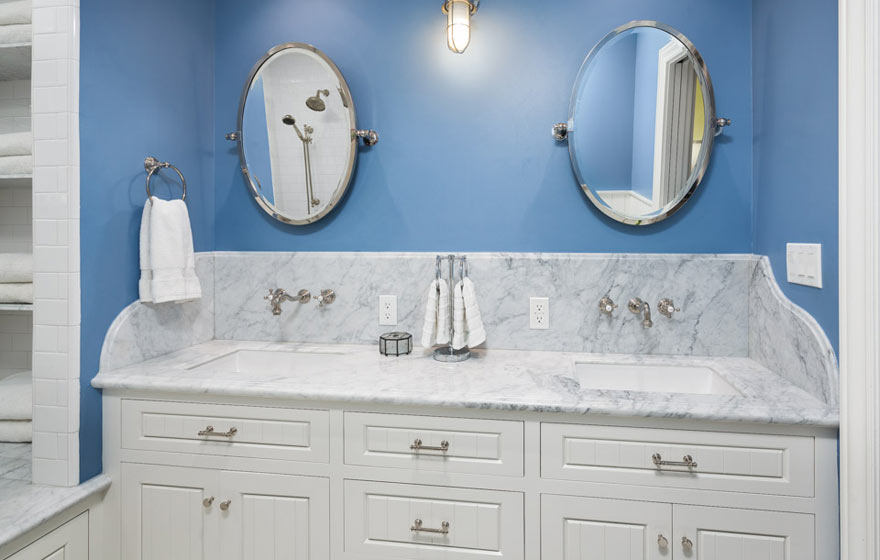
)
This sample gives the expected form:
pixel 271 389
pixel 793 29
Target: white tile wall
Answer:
pixel 15 106
pixel 15 341
pixel 16 231
pixel 55 83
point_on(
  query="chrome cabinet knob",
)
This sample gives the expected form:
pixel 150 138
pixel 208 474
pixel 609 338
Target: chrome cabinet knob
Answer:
pixel 326 298
pixel 607 305
pixel 686 543
pixel 662 541
pixel 225 505
pixel 208 501
pixel 667 307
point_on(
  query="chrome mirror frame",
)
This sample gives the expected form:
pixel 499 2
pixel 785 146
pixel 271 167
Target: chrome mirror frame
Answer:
pixel 253 181
pixel 713 125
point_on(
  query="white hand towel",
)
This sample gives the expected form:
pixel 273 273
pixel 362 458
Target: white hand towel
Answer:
pixel 442 312
pixel 16 267
pixel 171 259
pixel 476 333
pixel 17 165
pixel 16 144
pixel 18 11
pixel 459 330
pixel 146 280
pixel 17 293
pixel 429 327
pixel 18 34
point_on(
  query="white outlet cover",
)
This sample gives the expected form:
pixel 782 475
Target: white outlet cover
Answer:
pixel 539 313
pixel 388 310
pixel 803 264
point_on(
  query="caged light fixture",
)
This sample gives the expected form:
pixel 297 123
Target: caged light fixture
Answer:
pixel 458 23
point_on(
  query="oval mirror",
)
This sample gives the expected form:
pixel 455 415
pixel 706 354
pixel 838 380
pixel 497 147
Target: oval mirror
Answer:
pixel 296 133
pixel 642 122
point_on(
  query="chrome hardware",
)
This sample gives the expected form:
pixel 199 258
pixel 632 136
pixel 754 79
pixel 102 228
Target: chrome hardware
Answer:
pixel 326 298
pixel 233 136
pixel 370 137
pixel 306 139
pixel 278 296
pixel 208 501
pixel 474 5
pixel 152 166
pixel 209 431
pixel 560 131
pixel 667 307
pixel 225 505
pixel 686 461
pixel 417 527
pixel 686 543
pixel 417 446
pixel 720 123
pixel 607 305
pixel 636 305
pixel 662 541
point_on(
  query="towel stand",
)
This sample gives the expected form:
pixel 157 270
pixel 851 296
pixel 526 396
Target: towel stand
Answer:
pixel 448 353
pixel 152 165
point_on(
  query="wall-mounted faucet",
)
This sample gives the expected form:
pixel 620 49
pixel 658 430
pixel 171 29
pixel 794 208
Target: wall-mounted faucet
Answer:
pixel 636 305
pixel 278 296
pixel 667 307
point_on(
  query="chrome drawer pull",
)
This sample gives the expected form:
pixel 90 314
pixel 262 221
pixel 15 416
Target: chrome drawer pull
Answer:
pixel 417 446
pixel 225 505
pixel 686 461
pixel 208 501
pixel 209 431
pixel 417 527
pixel 662 541
pixel 686 543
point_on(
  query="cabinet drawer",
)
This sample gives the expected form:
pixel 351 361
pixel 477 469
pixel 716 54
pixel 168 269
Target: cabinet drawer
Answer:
pixel 755 463
pixel 240 431
pixel 381 521
pixel 473 446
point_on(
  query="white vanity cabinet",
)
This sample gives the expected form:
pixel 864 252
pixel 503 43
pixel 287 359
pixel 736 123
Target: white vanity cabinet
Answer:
pixel 68 542
pixel 344 481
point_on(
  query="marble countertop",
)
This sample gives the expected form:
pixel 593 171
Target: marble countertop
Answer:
pixel 25 506
pixel 491 379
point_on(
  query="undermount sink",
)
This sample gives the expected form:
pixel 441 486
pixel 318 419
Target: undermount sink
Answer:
pixel 696 380
pixel 282 362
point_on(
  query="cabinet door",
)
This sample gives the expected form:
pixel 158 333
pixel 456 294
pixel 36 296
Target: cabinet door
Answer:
pixel 68 542
pixel 575 528
pixel 274 517
pixel 735 534
pixel 165 515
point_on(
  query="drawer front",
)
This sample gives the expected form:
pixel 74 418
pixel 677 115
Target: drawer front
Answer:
pixel 473 446
pixel 241 431
pixel 755 463
pixel 430 522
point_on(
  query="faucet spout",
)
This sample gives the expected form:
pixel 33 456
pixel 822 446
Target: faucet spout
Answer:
pixel 278 296
pixel 636 305
pixel 647 322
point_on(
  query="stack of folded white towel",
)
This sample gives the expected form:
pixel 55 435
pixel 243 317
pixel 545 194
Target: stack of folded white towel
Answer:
pixel 467 324
pixel 15 22
pixel 16 149
pixel 168 271
pixel 16 278
pixel 16 408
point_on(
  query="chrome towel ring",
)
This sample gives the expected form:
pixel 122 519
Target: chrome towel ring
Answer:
pixel 152 165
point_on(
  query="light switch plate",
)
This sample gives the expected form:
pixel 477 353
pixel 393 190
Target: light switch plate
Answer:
pixel 539 313
pixel 803 264
pixel 388 310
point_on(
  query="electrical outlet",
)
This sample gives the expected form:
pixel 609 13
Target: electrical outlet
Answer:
pixel 803 264
pixel 539 313
pixel 388 310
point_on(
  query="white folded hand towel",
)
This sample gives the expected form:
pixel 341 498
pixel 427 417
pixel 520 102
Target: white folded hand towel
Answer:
pixel 18 11
pixel 167 260
pixel 476 333
pixel 22 292
pixel 16 267
pixel 459 330
pixel 16 144
pixel 17 165
pixel 442 312
pixel 18 34
pixel 429 327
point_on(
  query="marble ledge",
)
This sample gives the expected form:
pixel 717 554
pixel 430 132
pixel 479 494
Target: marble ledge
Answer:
pixel 25 506
pixel 509 380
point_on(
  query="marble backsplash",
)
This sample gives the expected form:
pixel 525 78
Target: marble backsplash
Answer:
pixel 730 306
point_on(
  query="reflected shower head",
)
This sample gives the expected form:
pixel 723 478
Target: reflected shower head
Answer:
pixel 315 103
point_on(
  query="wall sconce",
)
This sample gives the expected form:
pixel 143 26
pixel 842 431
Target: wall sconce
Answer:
pixel 458 23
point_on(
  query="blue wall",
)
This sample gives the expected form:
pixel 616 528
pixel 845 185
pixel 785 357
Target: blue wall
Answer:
pixel 145 89
pixel 475 127
pixel 795 143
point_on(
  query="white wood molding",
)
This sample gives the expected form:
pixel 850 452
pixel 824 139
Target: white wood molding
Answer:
pixel 859 176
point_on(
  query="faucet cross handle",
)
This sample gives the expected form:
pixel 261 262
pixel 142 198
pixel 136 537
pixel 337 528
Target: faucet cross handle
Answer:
pixel 667 307
pixel 326 298
pixel 607 305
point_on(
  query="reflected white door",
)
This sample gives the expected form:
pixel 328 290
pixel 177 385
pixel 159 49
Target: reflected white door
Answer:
pixel 574 528
pixel 735 534
pixel 274 517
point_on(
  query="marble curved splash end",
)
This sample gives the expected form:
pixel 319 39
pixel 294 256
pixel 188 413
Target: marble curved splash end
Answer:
pixel 787 340
pixel 144 331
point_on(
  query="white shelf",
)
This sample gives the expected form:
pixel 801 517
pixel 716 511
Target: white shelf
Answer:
pixel 16 306
pixel 15 181
pixel 15 62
